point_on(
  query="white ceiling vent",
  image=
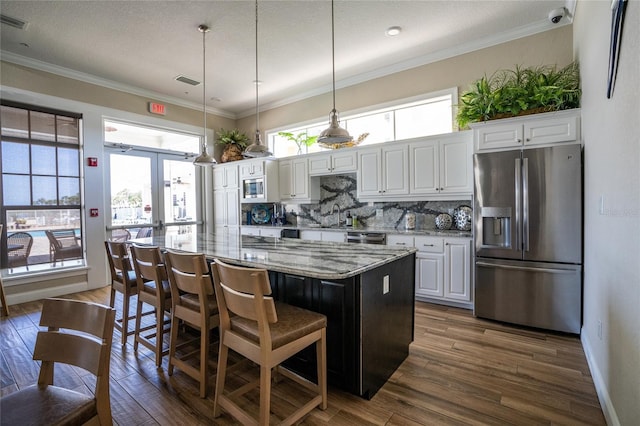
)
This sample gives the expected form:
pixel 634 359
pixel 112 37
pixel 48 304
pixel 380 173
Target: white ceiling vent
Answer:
pixel 13 22
pixel 187 80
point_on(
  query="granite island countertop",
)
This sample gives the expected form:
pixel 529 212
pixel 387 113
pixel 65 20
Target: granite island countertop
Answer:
pixel 315 259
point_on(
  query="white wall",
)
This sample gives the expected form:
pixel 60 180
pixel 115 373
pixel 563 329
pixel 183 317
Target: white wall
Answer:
pixel 612 234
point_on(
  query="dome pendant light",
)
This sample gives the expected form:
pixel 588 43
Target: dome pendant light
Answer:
pixel 257 149
pixel 334 134
pixel 204 159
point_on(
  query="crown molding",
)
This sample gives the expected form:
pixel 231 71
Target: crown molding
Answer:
pixel 482 43
pixel 109 84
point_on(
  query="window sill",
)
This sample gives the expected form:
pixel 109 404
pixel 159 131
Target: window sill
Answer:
pixel 43 272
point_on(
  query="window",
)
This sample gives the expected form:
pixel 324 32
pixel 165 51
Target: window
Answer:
pixel 40 180
pixel 430 114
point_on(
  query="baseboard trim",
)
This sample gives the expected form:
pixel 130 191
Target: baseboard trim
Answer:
pixel 606 404
pixel 43 293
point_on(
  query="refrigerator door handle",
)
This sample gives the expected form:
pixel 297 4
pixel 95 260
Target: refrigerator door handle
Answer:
pixel 526 268
pixel 525 203
pixel 518 194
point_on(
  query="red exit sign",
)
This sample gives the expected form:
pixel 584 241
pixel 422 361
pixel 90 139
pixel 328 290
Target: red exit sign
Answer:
pixel 155 108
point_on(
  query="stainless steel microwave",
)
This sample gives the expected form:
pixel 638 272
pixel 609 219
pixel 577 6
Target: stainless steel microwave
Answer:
pixel 253 188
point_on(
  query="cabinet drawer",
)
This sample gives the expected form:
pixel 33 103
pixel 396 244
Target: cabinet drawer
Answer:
pixel 400 240
pixel 429 244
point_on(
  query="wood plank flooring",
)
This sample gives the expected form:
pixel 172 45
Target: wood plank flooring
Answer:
pixel 461 371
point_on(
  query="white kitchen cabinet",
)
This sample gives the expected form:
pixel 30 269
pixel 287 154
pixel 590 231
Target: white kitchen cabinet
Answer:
pixel 334 236
pixel 294 182
pixel 457 269
pixel 226 208
pixel 443 267
pixel 313 235
pixel 252 168
pixel 225 176
pixel 334 163
pixel 383 172
pixel 533 130
pixel 442 166
pixel 256 231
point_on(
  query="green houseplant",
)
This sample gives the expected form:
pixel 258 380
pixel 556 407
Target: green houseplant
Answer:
pixel 301 139
pixel 234 142
pixel 509 93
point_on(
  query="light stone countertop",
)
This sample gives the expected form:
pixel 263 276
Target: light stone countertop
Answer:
pixel 315 259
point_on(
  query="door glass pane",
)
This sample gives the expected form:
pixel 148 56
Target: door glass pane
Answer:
pixel 179 191
pixel 130 189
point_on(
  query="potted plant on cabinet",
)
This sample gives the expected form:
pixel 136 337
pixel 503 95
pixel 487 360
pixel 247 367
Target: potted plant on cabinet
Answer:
pixel 509 93
pixel 234 142
pixel 301 139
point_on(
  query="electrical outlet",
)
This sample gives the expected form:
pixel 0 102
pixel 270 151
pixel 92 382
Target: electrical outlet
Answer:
pixel 599 329
pixel 385 284
pixel 379 213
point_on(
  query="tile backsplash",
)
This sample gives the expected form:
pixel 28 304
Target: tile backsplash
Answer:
pixel 341 190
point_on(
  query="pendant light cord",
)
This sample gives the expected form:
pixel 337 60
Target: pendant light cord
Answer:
pixel 204 29
pixel 256 82
pixel 333 57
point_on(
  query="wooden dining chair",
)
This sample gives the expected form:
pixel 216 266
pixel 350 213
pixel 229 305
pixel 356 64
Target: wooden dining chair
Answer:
pixel 79 334
pixel 192 302
pixel 153 289
pixel 123 280
pixel 267 333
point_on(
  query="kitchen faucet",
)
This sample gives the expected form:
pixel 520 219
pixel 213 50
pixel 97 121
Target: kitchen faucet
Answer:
pixel 332 208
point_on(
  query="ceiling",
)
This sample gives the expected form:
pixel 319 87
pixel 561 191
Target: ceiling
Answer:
pixel 142 46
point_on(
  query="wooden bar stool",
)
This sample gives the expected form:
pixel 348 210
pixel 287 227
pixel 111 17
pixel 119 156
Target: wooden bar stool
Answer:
pixel 123 280
pixel 153 289
pixel 193 302
pixel 267 333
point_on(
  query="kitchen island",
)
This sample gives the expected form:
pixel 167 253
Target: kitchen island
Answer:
pixel 366 292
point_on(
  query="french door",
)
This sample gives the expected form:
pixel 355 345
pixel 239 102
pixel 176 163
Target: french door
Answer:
pixel 152 192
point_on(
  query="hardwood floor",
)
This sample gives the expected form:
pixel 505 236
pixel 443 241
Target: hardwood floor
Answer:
pixel 461 371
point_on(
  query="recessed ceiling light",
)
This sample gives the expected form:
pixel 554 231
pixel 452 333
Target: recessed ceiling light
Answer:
pixel 393 31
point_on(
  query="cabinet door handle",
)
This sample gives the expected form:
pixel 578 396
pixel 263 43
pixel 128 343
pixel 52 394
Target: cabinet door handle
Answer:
pixel 401 244
pixel 441 189
pixel 428 245
pixel 519 140
pixel 528 139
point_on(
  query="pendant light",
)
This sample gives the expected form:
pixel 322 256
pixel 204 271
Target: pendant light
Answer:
pixel 334 134
pixel 257 148
pixel 204 159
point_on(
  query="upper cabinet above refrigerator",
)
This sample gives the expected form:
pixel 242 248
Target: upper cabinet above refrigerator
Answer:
pixel 529 131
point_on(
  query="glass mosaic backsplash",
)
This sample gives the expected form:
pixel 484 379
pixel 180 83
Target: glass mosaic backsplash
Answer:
pixel 341 190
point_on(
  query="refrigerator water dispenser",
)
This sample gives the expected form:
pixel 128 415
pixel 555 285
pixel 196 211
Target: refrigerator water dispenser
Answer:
pixel 496 227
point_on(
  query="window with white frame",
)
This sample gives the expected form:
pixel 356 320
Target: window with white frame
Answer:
pixel 427 115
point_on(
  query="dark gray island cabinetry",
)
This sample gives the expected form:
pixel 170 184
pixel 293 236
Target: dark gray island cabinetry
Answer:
pixel 366 292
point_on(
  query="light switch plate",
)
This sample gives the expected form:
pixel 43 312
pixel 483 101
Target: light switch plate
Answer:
pixel 385 284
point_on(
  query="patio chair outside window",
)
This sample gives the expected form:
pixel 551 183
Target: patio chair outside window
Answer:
pixel 63 244
pixel 18 249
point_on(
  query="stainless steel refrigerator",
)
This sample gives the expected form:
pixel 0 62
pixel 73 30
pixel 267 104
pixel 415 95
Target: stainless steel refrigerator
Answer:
pixel 528 237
